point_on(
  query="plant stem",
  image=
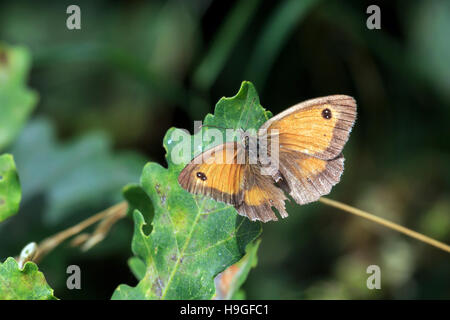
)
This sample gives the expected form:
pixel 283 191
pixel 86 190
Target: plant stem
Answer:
pixel 110 215
pixel 386 223
pixel 117 211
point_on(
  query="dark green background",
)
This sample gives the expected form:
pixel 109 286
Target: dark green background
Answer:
pixel 137 68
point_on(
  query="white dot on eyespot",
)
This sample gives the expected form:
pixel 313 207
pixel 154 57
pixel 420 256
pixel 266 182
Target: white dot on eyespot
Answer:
pixel 169 141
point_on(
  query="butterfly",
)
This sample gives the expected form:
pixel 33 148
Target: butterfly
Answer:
pixel 310 137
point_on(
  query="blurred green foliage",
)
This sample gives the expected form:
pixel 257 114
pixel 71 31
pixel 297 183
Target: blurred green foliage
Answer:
pixel 84 170
pixel 137 68
pixel 16 100
pixel 10 191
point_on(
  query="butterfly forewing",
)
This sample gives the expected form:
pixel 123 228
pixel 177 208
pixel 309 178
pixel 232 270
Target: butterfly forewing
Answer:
pixel 213 174
pixel 318 127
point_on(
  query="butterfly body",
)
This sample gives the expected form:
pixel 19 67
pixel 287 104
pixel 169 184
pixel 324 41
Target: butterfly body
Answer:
pixel 305 142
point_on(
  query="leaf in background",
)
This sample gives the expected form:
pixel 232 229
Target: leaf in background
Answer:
pixel 436 221
pixel 272 39
pixel 193 237
pixel 227 36
pixel 16 100
pixel 229 282
pixel 25 284
pixel 82 172
pixel 10 192
pixel 429 23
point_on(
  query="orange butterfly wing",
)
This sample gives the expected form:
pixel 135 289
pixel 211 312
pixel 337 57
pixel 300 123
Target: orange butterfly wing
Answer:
pixel 318 127
pixel 260 195
pixel 311 137
pixel 308 178
pixel 216 173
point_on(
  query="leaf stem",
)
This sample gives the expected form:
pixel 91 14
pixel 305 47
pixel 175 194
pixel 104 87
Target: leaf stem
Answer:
pixel 115 212
pixel 386 223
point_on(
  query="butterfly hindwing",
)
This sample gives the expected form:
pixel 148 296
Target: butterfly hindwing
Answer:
pixel 306 178
pixel 260 195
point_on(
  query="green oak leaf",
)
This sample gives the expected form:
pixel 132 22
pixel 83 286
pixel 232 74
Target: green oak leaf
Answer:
pixel 10 192
pixel 193 238
pixel 241 111
pixel 137 267
pixel 229 282
pixel 16 100
pixel 25 284
pixel 138 199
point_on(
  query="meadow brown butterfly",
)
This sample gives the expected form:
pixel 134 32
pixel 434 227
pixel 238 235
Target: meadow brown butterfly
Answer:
pixel 310 137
